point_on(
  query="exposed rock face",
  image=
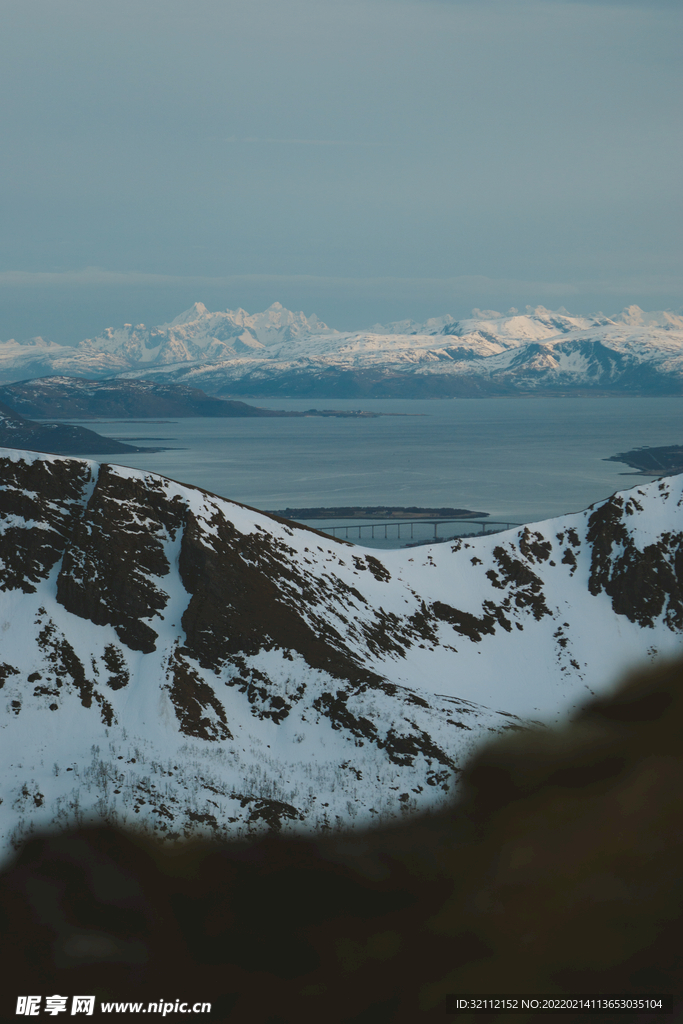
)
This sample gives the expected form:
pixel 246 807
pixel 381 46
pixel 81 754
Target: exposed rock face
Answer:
pixel 242 589
pixel 643 582
pixel 217 669
pixel 116 552
pixel 37 492
pixel 559 873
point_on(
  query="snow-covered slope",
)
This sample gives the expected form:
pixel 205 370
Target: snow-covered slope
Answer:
pixel 172 659
pixel 283 353
pixel 32 358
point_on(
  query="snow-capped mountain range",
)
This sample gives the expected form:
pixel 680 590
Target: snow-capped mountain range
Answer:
pixel 177 661
pixel 278 352
pixel 194 337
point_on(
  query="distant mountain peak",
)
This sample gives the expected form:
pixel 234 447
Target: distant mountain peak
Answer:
pixel 636 317
pixel 281 352
pixel 196 310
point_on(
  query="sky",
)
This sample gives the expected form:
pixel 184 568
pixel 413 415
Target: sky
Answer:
pixel 364 160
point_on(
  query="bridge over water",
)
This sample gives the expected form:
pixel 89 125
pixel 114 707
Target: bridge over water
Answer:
pixel 386 524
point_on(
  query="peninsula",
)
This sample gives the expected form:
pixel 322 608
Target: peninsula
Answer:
pixel 58 438
pixel 77 398
pixel 665 461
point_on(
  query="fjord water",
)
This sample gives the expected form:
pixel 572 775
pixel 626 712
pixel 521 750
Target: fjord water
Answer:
pixel 519 459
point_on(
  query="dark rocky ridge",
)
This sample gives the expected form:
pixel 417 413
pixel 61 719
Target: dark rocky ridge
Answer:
pixel 76 398
pixel 558 874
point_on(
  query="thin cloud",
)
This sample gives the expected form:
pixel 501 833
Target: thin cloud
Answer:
pixel 291 142
pixel 98 277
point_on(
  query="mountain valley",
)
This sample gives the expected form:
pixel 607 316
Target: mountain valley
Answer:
pixel 176 662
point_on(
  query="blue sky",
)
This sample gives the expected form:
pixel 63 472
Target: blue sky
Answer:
pixel 366 160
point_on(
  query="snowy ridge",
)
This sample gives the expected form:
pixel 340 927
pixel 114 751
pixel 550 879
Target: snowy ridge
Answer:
pixel 198 335
pixel 195 336
pixel 541 350
pixel 180 662
pixel 280 352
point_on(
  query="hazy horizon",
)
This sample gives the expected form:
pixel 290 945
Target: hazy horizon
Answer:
pixel 364 160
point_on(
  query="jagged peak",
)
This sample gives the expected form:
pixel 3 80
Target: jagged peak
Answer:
pixel 196 310
pixel 229 342
pixel 634 316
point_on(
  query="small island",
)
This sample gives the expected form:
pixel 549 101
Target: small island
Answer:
pixel 665 461
pixel 383 512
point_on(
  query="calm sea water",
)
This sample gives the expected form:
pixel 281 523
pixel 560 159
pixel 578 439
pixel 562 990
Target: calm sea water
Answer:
pixel 520 460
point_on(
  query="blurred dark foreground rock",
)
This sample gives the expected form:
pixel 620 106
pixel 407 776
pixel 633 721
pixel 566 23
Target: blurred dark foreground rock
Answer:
pixel 561 871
